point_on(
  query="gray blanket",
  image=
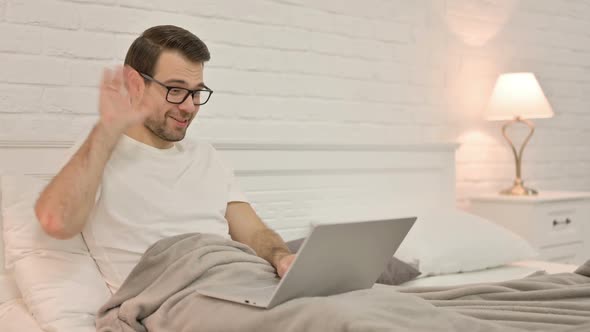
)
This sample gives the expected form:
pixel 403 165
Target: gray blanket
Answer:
pixel 160 295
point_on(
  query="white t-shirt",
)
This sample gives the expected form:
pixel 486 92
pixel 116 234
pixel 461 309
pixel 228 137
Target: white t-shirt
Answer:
pixel 147 194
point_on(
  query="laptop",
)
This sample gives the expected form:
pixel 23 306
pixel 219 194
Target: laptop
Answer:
pixel 333 259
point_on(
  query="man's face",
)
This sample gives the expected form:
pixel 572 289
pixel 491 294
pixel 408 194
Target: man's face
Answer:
pixel 170 121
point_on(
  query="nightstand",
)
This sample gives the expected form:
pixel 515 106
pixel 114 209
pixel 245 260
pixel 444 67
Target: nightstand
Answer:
pixel 556 223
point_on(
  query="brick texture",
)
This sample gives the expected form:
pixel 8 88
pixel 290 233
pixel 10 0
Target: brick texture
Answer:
pixel 375 71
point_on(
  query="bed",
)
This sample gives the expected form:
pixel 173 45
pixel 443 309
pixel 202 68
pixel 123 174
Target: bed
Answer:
pixel 293 186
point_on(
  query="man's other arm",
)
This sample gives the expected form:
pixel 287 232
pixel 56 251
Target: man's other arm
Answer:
pixel 245 226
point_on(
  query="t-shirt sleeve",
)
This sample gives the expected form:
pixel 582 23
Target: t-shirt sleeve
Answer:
pixel 234 190
pixel 236 194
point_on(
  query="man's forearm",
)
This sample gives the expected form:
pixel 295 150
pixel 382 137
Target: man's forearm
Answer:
pixel 245 226
pixel 64 205
pixel 269 245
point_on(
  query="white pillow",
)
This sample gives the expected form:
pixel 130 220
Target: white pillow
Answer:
pixel 452 241
pixel 60 282
pixel 23 234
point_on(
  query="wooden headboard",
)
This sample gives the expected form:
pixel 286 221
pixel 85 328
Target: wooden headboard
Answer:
pixel 294 185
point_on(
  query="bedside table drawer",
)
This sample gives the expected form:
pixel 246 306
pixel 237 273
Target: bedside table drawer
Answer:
pixel 556 223
pixel 559 223
pixel 566 253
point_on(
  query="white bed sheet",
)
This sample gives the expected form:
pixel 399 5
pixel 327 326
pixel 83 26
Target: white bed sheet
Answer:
pixel 14 315
pixel 511 271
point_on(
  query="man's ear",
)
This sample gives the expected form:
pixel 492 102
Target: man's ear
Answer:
pixel 134 84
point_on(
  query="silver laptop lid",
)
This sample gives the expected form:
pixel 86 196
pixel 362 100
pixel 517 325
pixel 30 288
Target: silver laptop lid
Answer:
pixel 337 258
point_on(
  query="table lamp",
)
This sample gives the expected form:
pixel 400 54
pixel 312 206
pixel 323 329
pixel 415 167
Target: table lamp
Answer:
pixel 518 97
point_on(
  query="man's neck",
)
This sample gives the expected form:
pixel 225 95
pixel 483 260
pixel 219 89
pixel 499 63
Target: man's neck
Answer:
pixel 146 137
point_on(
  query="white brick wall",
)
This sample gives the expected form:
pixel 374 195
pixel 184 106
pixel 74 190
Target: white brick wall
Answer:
pixel 385 71
pixel 48 13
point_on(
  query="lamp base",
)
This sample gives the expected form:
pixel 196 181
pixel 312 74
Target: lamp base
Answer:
pixel 518 189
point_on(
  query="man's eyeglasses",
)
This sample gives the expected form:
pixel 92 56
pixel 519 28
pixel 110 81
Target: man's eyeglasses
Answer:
pixel 176 95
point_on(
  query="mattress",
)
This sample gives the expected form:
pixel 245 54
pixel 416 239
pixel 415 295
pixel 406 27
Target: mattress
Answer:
pixel 516 270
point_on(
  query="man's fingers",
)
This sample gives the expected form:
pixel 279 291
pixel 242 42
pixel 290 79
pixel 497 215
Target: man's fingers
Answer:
pixel 126 73
pixel 112 79
pixel 284 264
pixel 106 78
pixel 117 80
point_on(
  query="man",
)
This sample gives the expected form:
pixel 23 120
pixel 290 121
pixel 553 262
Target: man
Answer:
pixel 134 180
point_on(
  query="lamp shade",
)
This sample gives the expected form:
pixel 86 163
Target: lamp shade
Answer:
pixel 518 95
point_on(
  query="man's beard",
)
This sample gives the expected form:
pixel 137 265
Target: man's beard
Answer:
pixel 159 129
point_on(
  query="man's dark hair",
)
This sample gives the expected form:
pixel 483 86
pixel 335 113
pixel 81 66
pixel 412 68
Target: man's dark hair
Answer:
pixel 146 49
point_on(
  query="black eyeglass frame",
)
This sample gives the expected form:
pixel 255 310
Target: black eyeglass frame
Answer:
pixel 188 91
